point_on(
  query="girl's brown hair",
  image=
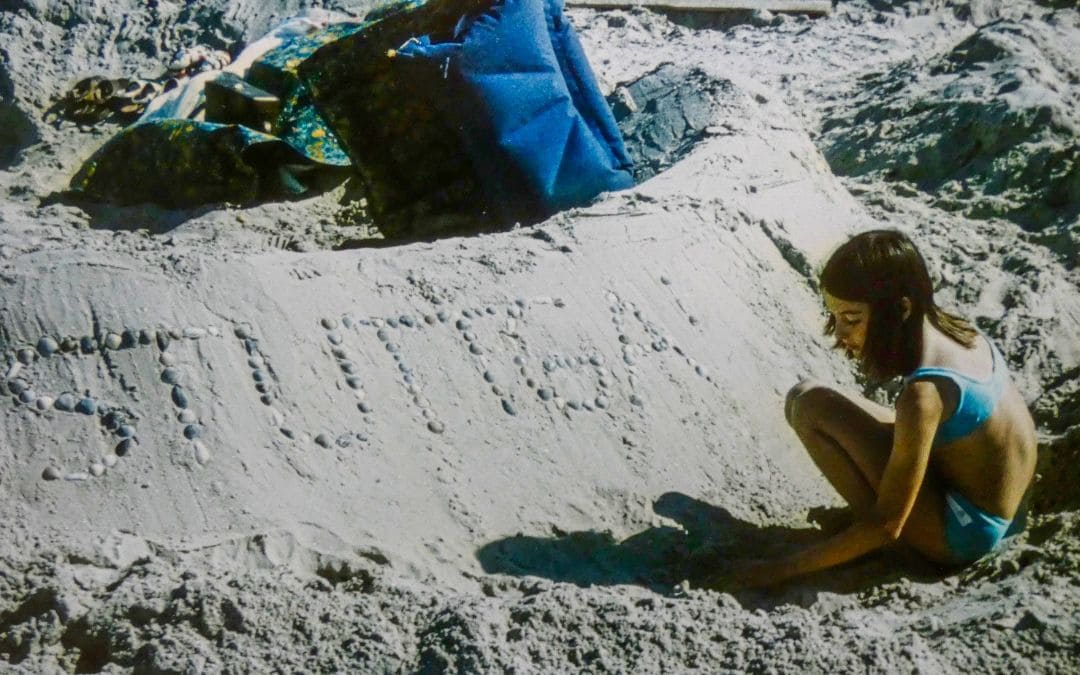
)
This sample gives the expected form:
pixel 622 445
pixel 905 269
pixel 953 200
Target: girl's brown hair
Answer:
pixel 880 267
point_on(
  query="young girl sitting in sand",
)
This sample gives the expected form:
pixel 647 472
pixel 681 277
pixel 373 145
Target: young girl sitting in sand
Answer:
pixel 946 471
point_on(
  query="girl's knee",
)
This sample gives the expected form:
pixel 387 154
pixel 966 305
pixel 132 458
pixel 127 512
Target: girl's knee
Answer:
pixel 798 406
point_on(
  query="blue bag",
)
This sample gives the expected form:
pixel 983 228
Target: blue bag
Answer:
pixel 526 101
pixel 486 110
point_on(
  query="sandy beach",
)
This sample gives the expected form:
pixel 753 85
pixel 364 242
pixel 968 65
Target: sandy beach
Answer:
pixel 227 444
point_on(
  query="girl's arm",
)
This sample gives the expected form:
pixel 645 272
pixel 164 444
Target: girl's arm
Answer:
pixel 918 413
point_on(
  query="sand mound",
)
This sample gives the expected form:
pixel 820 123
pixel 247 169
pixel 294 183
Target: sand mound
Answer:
pixel 988 128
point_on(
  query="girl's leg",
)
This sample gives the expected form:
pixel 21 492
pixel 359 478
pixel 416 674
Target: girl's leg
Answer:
pixel 850 439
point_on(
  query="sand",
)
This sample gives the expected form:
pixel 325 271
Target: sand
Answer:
pixel 226 446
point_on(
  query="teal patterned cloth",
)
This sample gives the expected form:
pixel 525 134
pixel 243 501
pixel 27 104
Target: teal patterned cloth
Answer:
pixel 182 162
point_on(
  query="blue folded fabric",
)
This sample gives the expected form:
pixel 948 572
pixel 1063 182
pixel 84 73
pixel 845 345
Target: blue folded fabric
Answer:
pixel 521 92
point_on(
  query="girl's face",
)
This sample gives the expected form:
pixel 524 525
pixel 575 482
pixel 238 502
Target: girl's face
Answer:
pixel 851 319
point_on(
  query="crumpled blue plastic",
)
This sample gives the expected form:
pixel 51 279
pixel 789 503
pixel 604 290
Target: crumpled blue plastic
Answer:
pixel 539 132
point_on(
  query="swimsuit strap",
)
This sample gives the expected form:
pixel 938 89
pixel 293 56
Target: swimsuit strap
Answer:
pixel 998 371
pixel 976 400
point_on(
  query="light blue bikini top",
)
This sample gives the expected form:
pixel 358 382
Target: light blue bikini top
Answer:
pixel 977 397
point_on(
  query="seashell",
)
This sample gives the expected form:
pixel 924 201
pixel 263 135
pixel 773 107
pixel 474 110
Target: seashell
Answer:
pixel 112 420
pixel 124 447
pixel 170 376
pixel 65 402
pixel 47 346
pixel 17 386
pixel 179 397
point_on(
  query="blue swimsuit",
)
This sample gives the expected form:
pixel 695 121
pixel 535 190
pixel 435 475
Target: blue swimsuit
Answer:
pixel 970 531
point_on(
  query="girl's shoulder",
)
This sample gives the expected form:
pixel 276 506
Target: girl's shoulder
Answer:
pixel 947 358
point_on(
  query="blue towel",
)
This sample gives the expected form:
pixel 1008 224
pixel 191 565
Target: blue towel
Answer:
pixel 521 92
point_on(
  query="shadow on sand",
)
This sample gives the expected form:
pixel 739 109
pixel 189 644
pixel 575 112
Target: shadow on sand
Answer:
pixel 709 537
